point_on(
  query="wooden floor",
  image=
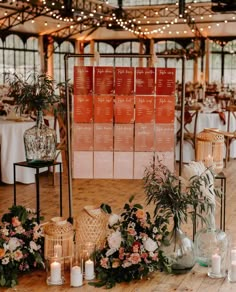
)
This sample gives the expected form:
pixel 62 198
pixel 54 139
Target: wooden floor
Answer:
pixel 115 193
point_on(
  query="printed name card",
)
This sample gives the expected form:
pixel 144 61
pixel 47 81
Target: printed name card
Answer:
pixel 165 81
pixel 144 138
pixel 124 79
pixel 165 109
pixel 144 109
pixel 83 109
pixel 124 137
pixel 103 80
pixel 124 109
pixel 145 80
pixel 165 137
pixel 103 137
pixel 103 109
pixel 82 137
pixel 83 80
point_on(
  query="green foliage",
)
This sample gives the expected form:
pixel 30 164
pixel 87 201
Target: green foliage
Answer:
pixel 171 199
pixel 132 249
pixel 36 92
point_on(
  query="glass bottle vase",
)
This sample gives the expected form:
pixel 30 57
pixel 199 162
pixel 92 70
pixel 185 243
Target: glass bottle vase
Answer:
pixel 179 249
pixel 40 142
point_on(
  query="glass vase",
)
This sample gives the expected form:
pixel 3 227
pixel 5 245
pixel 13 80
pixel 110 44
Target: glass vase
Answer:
pixel 203 249
pixel 179 249
pixel 40 142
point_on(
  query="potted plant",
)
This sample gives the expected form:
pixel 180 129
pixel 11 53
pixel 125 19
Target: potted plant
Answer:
pixel 36 93
pixel 175 200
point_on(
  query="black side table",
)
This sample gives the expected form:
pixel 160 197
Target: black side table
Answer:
pixel 37 167
pixel 221 176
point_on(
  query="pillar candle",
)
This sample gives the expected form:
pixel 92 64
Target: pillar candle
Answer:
pixel 76 279
pixel 55 272
pixel 57 250
pixel 89 270
pixel 216 264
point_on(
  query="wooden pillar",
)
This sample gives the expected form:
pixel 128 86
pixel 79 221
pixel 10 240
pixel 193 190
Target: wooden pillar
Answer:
pixel 207 60
pixel 151 62
pixel 92 50
pixel 50 51
pixel 195 63
pixel 79 49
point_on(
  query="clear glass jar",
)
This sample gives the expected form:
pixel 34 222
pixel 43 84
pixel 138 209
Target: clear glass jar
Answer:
pixel 180 250
pixel 55 271
pixel 40 142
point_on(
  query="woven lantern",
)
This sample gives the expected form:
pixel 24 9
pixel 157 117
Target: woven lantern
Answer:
pixel 59 236
pixel 210 149
pixel 91 226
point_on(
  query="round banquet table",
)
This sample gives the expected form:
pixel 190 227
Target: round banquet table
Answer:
pixel 207 120
pixel 12 150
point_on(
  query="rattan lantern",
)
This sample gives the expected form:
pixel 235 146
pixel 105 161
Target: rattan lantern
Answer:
pixel 91 226
pixel 58 249
pixel 210 149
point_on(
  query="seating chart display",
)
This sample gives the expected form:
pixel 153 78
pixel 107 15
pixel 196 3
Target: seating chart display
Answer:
pixel 122 116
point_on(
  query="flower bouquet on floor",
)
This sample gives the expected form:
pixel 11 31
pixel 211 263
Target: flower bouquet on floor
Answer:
pixel 131 250
pixel 21 244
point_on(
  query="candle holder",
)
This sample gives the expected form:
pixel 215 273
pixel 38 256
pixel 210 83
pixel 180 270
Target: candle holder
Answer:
pixel 217 257
pixel 87 259
pixel 55 271
pixel 76 275
pixel 232 261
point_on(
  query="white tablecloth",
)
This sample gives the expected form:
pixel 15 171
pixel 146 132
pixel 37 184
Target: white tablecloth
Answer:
pixel 207 120
pixel 12 150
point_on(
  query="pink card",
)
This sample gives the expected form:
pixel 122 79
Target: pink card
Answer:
pixel 83 80
pixel 123 165
pixel 103 164
pixel 82 137
pixel 83 108
pixel 144 109
pixel 145 81
pixel 165 81
pixel 103 109
pixel 124 137
pixel 103 80
pixel 124 80
pixel 144 137
pixel 168 159
pixel 124 109
pixel 142 160
pixel 165 109
pixel 82 164
pixel 103 137
pixel 165 137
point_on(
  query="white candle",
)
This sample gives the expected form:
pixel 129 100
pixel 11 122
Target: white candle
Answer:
pixel 57 250
pixel 209 161
pixel 215 264
pixel 89 270
pixel 76 279
pixel 233 255
pixel 55 272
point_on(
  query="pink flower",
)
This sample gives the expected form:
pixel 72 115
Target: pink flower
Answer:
pixel 15 221
pixel 18 255
pixel 126 264
pixel 140 214
pixel 104 263
pixel 135 258
pixel 132 231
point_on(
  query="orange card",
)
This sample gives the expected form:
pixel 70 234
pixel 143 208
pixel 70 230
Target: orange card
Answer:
pixel 82 137
pixel 103 109
pixel 144 109
pixel 165 81
pixel 124 80
pixel 165 137
pixel 103 137
pixel 124 109
pixel 83 109
pixel 124 137
pixel 145 81
pixel 103 80
pixel 83 80
pixel 165 109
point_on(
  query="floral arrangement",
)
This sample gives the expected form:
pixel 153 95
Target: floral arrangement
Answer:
pixel 21 244
pixel 131 250
pixel 189 53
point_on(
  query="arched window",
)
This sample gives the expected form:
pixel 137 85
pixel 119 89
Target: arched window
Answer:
pixel 230 63
pixel 32 60
pixel 59 53
pixel 215 62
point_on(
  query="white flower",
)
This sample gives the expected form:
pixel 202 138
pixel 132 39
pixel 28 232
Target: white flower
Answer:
pixel 114 240
pixel 33 245
pixel 150 244
pixel 13 243
pixel 155 229
pixel 5 261
pixel 113 219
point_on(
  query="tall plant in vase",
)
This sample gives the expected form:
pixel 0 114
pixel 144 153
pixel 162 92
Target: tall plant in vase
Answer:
pixel 175 201
pixel 36 93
